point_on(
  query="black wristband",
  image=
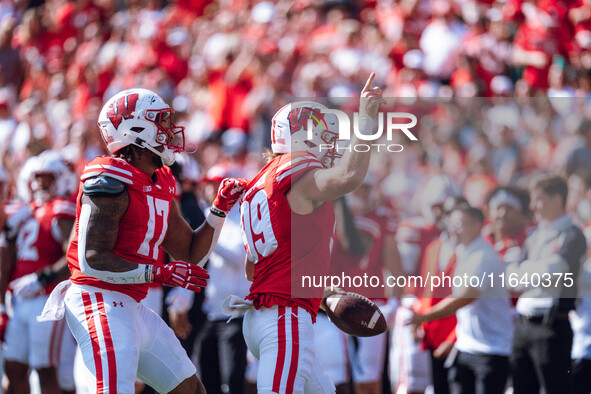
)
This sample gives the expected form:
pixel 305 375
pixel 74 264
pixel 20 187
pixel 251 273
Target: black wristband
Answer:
pixel 46 276
pixel 217 212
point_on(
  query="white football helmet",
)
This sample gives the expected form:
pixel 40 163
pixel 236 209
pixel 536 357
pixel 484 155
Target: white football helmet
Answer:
pixel 49 162
pixel 140 117
pixel 289 131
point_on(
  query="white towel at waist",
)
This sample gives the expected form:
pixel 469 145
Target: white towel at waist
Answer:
pixel 235 306
pixel 54 306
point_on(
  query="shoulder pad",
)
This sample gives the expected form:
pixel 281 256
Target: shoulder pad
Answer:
pixel 103 185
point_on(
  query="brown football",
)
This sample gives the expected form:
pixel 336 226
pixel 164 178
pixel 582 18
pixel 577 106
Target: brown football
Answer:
pixel 355 314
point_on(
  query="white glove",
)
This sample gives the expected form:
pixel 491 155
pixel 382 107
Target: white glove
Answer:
pixel 27 286
pixel 179 300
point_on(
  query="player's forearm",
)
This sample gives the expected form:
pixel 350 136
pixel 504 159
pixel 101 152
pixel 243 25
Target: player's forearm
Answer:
pixel 344 177
pixel 205 239
pixel 202 240
pixel 353 167
pixel 110 268
pixel 354 164
pixel 108 261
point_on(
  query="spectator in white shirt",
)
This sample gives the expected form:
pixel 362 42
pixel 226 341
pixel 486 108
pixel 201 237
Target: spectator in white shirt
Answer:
pixel 484 329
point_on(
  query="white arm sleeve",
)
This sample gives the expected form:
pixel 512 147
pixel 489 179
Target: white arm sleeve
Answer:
pixel 137 275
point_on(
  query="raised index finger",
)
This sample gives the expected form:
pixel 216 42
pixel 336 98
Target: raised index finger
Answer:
pixel 367 86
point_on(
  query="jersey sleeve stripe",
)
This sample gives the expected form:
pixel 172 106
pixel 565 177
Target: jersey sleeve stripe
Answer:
pixel 87 175
pixel 108 167
pixel 293 162
pixel 294 170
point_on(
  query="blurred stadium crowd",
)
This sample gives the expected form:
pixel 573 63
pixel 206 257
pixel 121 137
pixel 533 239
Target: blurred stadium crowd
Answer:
pixel 501 88
pixel 228 65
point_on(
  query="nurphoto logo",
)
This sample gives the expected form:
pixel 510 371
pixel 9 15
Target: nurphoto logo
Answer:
pixel 395 122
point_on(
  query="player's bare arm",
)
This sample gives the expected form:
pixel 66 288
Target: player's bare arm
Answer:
pixel 65 227
pixel 182 243
pixel 102 232
pixel 59 270
pixel 195 246
pixel 318 186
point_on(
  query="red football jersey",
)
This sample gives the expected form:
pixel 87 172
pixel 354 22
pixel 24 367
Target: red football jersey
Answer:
pixel 36 244
pixel 282 244
pixel 141 229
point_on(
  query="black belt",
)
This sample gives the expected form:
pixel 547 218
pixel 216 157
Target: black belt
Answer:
pixel 539 319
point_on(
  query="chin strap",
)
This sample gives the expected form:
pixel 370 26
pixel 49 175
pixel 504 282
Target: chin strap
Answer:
pixel 167 160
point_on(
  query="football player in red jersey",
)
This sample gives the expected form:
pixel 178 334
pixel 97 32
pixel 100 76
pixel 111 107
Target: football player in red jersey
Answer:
pixel 288 221
pixel 125 214
pixel 37 235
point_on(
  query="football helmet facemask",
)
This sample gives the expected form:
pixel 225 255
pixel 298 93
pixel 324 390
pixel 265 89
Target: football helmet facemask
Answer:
pixel 140 117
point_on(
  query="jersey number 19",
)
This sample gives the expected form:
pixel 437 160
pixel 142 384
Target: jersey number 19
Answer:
pixel 256 224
